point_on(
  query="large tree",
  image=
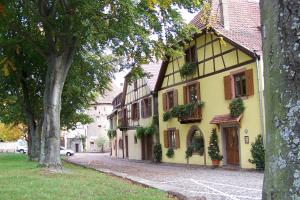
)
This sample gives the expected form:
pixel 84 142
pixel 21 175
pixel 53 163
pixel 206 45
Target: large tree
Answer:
pixel 22 85
pixel 137 29
pixel 281 41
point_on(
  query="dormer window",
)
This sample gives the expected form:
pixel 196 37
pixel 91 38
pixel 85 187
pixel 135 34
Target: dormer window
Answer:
pixel 190 55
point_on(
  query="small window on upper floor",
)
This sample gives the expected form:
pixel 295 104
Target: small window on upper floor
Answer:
pixel 135 114
pixel 95 107
pixel 191 55
pixel 135 85
pixel 240 85
pixel 170 100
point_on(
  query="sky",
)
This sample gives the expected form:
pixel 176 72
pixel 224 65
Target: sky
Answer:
pixel 119 77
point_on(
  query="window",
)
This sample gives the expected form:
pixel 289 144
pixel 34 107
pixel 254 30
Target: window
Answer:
pixel 95 107
pixel 190 55
pixel 170 100
pixel 135 85
pixel 240 85
pixel 122 118
pixel 135 139
pixel 135 111
pixel 170 96
pixel 171 138
pixel 192 93
pixel 146 107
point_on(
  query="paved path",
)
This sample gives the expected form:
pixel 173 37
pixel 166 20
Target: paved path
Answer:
pixel 192 182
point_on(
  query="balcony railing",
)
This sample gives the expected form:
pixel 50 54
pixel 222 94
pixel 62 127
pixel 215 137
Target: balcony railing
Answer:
pixel 122 123
pixel 193 116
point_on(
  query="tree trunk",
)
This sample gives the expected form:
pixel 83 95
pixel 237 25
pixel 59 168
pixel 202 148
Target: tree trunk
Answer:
pixel 57 71
pixel 282 98
pixel 33 129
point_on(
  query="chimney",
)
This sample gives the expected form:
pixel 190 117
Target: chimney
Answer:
pixel 224 13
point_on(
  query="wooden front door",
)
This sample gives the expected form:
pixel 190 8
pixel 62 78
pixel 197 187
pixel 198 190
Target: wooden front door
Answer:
pixel 147 144
pixel 232 145
pixel 126 145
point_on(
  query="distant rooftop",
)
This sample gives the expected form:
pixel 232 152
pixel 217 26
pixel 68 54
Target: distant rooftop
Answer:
pixel 153 70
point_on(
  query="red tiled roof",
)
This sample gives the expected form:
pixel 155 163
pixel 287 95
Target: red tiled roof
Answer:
pixel 244 22
pixel 225 119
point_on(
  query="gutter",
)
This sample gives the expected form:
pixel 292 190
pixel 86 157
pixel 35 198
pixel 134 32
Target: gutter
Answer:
pixel 260 80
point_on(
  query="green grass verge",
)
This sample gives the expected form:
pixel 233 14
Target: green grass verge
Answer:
pixel 21 179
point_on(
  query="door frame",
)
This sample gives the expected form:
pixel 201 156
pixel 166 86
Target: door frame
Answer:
pixel 223 138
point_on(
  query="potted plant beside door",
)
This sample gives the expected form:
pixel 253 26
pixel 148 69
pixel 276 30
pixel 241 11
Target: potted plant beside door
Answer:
pixel 213 149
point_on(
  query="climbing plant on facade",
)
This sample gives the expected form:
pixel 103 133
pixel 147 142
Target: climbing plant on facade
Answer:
pixel 236 107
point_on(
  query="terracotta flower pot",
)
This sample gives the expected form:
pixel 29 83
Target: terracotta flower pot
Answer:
pixel 215 163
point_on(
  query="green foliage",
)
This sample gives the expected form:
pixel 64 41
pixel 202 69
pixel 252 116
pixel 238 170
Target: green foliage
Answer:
pixel 140 131
pixel 149 130
pixel 167 115
pixel 258 153
pixel 157 153
pixel 111 133
pixel 213 149
pixel 189 152
pixel 198 144
pixel 170 153
pixel 236 107
pixel 188 69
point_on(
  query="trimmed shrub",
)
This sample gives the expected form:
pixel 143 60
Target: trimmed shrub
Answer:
pixel 170 153
pixel 258 153
pixel 213 149
pixel 157 153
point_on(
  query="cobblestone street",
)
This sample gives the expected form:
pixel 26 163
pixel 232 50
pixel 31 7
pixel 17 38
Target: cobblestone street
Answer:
pixel 192 182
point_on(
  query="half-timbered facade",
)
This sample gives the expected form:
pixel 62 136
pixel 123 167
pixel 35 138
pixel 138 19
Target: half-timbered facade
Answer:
pixel 115 120
pixel 138 106
pixel 228 66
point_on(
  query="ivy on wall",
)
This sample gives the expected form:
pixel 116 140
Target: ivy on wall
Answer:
pixel 188 69
pixel 236 107
pixel 111 133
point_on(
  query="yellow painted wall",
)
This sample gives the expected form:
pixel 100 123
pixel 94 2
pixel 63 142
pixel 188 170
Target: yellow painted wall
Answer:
pixel 212 93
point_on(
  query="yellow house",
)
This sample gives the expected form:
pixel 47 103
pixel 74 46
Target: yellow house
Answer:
pixel 135 108
pixel 220 64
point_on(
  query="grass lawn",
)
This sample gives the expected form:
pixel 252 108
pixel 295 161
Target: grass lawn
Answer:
pixel 22 180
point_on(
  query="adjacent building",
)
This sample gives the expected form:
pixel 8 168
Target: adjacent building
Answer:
pixel 228 65
pixel 135 108
pixel 87 138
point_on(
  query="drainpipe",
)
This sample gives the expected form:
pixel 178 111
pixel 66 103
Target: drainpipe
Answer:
pixel 123 143
pixel 259 67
